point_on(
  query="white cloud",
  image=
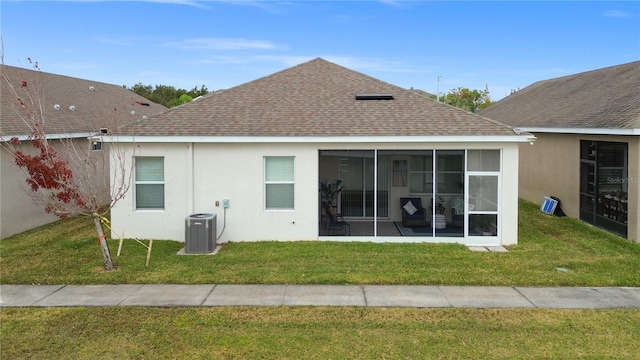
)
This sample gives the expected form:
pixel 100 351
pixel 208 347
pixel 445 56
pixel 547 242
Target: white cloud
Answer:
pixel 286 60
pixel 390 2
pixel 356 63
pixel 175 2
pixel 265 5
pixel 223 44
pixel 617 14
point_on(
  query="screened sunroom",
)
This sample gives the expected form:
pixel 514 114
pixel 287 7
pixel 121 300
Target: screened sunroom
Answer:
pixel 445 194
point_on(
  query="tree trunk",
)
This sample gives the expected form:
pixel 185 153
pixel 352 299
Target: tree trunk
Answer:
pixel 102 240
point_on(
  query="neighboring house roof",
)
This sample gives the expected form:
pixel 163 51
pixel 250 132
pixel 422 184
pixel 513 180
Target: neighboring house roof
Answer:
pixel 95 105
pixel 607 98
pixel 315 99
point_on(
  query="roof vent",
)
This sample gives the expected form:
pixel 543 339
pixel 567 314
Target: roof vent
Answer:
pixel 92 88
pixel 374 96
pixel 133 112
pixel 72 108
pixel 56 106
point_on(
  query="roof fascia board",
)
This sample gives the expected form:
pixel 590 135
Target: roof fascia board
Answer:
pixel 6 138
pixel 323 139
pixel 586 131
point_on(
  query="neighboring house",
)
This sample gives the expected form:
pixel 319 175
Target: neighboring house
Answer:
pixel 588 148
pixel 254 156
pixel 72 109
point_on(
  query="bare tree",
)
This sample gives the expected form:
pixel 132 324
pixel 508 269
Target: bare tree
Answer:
pixel 64 174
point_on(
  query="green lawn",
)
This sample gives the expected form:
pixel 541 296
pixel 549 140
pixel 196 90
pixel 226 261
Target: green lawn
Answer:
pixel 66 252
pixel 317 333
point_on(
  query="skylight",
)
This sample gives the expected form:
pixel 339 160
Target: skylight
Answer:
pixel 374 96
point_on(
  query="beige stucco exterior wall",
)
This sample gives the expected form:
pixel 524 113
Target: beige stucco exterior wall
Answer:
pixel 552 167
pixel 633 231
pixel 201 174
pixel 17 211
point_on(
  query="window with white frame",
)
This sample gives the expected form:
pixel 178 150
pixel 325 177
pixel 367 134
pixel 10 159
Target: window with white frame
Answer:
pixel 96 145
pixel 149 182
pixel 279 182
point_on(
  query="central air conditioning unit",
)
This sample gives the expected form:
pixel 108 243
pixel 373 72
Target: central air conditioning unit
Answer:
pixel 200 233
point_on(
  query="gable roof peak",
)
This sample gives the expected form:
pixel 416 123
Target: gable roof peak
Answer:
pixel 317 98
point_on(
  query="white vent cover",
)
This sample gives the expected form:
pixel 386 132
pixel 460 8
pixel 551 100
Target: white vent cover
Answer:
pixel 56 106
pixel 133 112
pixel 72 108
pixel 92 88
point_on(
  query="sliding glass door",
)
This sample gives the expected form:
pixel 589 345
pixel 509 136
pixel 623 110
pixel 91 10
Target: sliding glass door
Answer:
pixel 604 185
pixel 358 172
pixel 360 180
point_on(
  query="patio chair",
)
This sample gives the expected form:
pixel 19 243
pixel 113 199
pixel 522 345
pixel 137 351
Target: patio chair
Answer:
pixel 457 211
pixel 413 214
pixel 335 222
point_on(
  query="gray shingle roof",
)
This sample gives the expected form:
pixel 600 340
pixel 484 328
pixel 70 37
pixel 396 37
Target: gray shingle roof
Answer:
pixel 96 104
pixel 316 99
pixel 607 98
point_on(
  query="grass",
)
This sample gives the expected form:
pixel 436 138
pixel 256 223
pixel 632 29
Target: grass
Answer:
pixel 66 252
pixel 317 333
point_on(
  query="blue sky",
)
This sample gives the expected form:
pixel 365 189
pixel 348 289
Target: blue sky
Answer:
pixel 188 43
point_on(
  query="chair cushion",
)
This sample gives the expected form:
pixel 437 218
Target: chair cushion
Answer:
pixel 457 203
pixel 410 208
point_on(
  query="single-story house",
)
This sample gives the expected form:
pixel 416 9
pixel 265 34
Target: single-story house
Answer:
pixel 72 108
pixel 256 156
pixel 588 148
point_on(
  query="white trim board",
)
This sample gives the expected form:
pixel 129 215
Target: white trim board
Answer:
pixel 327 139
pixel 84 135
pixel 586 131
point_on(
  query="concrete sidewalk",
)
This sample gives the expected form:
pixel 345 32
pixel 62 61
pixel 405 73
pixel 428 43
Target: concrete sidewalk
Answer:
pixel 321 295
